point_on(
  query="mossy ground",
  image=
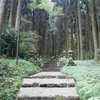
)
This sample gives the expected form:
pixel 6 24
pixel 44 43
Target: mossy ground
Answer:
pixel 87 76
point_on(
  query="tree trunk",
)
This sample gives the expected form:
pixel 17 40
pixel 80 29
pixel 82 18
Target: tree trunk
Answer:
pixel 66 30
pixel 97 16
pixel 86 36
pixel 12 16
pixel 80 30
pixel 18 13
pixel 78 46
pixel 52 44
pixel 88 29
pixel 94 30
pixel 2 7
pixel 72 41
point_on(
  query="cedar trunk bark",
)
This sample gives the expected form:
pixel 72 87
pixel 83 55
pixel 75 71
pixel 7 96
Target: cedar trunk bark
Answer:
pixel 18 13
pixel 86 37
pixel 12 16
pixel 2 7
pixel 97 15
pixel 80 30
pixel 78 44
pixel 66 31
pixel 94 30
pixel 88 29
pixel 72 42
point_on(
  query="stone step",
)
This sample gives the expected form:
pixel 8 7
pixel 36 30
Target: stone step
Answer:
pixel 49 66
pixel 50 63
pixel 46 70
pixel 48 94
pixel 50 75
pixel 50 69
pixel 46 66
pixel 48 83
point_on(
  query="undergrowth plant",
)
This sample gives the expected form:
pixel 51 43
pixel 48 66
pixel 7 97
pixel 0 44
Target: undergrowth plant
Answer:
pixel 63 61
pixel 11 77
pixel 87 76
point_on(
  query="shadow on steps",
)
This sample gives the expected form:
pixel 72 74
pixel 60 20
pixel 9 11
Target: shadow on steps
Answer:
pixel 50 67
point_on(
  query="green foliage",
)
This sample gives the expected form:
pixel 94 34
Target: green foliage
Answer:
pixel 87 76
pixel 3 66
pixel 63 62
pixel 9 40
pixel 60 2
pixel 47 5
pixel 38 62
pixel 24 49
pixel 38 2
pixel 32 5
pixel 59 11
pixel 12 75
pixel 41 4
pixel 25 21
pixel 26 44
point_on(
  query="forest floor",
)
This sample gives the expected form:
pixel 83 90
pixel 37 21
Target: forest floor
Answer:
pixel 87 77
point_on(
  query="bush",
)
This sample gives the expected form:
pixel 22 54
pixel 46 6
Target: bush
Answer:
pixel 63 62
pixel 27 42
pixel 25 48
pixel 12 75
pixel 3 66
pixel 9 42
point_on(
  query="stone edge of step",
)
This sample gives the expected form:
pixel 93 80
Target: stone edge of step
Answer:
pixel 49 97
pixel 51 76
pixel 41 83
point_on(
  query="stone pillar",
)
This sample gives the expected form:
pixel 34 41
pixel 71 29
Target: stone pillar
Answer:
pixel 64 54
pixel 70 55
pixel 31 56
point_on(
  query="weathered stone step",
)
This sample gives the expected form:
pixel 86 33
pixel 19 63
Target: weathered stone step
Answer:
pixel 54 63
pixel 51 75
pixel 48 83
pixel 46 66
pixel 48 94
pixel 50 69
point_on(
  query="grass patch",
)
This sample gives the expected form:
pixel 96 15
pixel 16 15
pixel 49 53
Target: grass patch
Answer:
pixel 11 77
pixel 87 76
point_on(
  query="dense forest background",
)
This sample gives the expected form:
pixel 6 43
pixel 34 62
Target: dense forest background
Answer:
pixel 49 27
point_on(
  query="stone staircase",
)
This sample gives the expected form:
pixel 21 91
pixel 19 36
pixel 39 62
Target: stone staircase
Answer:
pixel 51 66
pixel 48 86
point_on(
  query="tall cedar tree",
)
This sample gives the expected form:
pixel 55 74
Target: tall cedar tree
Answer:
pixel 2 7
pixel 80 30
pixel 94 30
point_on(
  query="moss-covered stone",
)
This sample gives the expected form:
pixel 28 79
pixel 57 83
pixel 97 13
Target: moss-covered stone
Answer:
pixel 71 63
pixel 60 98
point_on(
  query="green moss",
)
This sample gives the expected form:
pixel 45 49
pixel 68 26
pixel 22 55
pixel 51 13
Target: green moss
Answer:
pixel 60 97
pixel 71 85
